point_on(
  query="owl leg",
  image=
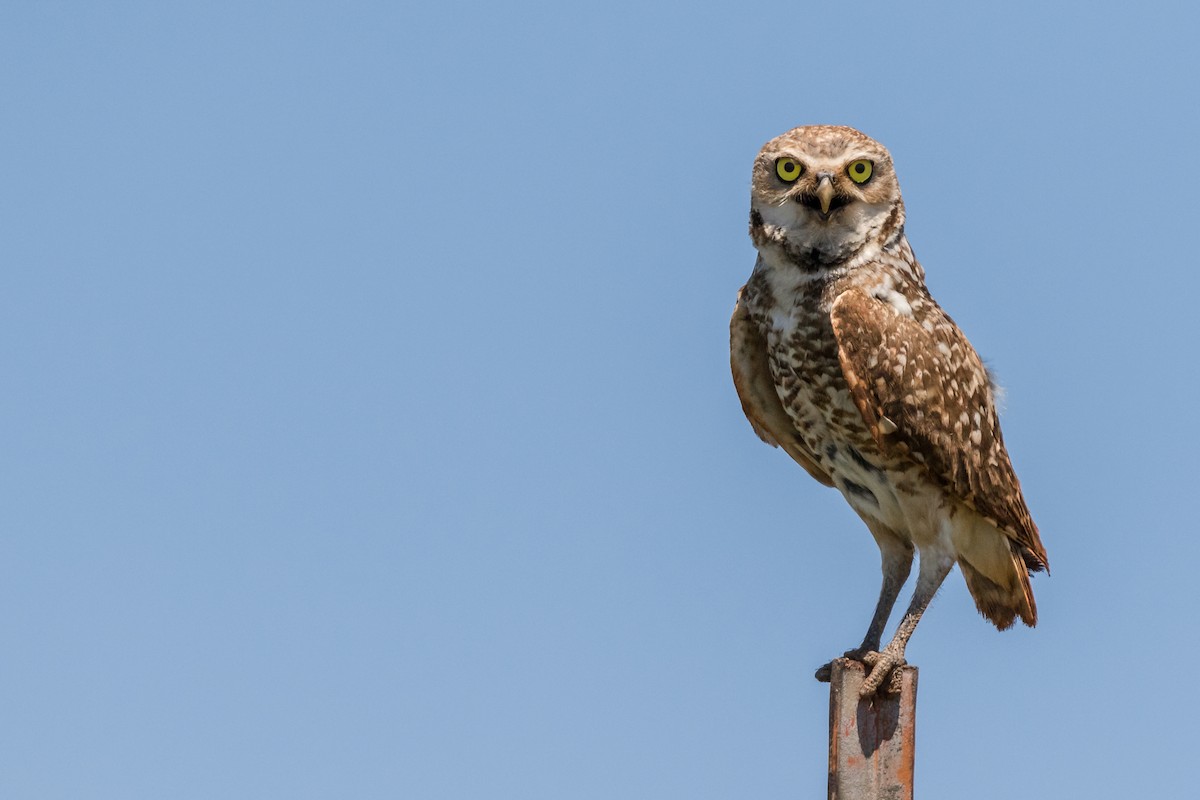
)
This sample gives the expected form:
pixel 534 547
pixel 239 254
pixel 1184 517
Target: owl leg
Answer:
pixel 896 556
pixel 933 570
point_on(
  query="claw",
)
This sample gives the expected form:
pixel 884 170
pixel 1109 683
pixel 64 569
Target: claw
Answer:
pixel 824 673
pixel 883 669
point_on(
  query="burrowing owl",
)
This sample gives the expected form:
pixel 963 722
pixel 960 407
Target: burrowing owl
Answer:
pixel 842 358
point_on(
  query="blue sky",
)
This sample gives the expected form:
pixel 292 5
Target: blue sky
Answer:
pixel 367 428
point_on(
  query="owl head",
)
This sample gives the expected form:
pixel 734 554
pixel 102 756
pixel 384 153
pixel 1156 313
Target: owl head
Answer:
pixel 820 194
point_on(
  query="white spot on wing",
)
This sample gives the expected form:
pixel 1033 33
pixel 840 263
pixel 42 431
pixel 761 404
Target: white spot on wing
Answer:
pixel 899 302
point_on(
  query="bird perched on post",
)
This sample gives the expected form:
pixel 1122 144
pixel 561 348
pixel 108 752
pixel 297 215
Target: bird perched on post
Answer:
pixel 842 358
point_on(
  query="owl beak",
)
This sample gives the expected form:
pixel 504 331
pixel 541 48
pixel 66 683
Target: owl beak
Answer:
pixel 825 194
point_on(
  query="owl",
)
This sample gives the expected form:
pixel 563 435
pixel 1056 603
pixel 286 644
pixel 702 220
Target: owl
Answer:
pixel 842 358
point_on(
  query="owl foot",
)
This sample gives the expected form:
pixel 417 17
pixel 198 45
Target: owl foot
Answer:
pixel 885 673
pixel 825 673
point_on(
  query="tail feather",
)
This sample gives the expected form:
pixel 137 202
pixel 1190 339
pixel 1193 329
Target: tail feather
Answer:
pixel 1002 604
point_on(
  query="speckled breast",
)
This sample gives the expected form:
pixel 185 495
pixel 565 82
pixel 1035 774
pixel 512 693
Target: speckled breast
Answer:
pixel 802 352
pixel 795 321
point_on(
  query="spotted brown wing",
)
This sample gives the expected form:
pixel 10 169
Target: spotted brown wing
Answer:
pixel 922 390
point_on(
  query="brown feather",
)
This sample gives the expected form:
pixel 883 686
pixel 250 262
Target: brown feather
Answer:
pixel 933 400
pixel 756 389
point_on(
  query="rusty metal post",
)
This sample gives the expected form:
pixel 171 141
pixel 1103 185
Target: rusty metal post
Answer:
pixel 871 740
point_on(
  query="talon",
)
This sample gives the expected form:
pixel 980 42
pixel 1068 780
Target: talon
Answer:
pixel 824 673
pixel 884 667
pixel 858 654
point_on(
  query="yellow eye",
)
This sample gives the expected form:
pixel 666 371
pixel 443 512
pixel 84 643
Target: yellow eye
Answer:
pixel 788 169
pixel 860 171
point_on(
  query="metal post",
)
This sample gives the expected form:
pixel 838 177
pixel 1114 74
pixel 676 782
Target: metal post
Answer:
pixel 871 740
